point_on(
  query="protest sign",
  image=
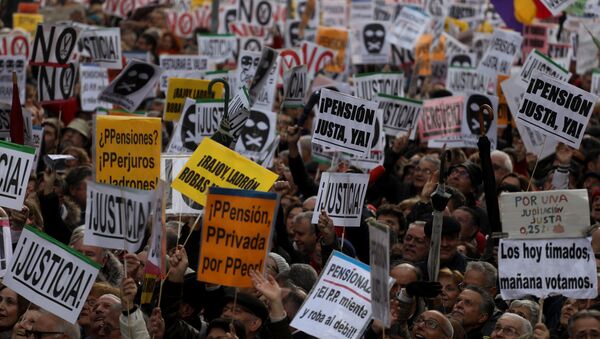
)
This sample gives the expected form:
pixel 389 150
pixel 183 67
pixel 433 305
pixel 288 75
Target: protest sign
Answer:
pixel 334 38
pixel 536 142
pixel 557 6
pixel 264 81
pixel 132 85
pixel 103 46
pixel 16 162
pixel 344 123
pixel 53 45
pixel 217 47
pixel 56 83
pixel 27 21
pixel 368 85
pixel 441 118
pixel 595 86
pixel 180 89
pixel 460 80
pixel 379 249
pixel 408 27
pixel 557 109
pixel 334 13
pixel 127 151
pixel 375 156
pixel 361 10
pixel 231 127
pixel 470 123
pixel 63 278
pixel 538 62
pixel 370 45
pixel 461 59
pixel 116 217
pixel 213 164
pixel 181 66
pixel 256 12
pixel 6 251
pixel 400 115
pixel 199 119
pixel 501 53
pixel 548 214
pixel 8 65
pixel 536 37
pixel 157 256
pixel 342 196
pixel 339 305
pixel 183 23
pixel 544 268
pixel 14 43
pixel 257 135
pixel 294 87
pixel 236 233
pixel 586 53
pixel 177 203
pixel 124 8
pixel 93 79
pixel 5 121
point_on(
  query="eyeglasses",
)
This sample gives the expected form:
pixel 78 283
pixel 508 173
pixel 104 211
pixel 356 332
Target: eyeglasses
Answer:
pixel 584 335
pixel 426 171
pixel 429 323
pixel 409 238
pixel 509 331
pixel 460 173
pixel 39 334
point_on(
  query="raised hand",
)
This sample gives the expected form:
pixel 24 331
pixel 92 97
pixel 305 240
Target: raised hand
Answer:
pixel 178 263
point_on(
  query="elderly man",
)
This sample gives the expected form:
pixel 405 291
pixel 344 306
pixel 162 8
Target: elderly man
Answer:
pixel 432 325
pixel 111 271
pixel 585 324
pixel 511 325
pixel 502 164
pixel 39 323
pixel 473 309
pixel 415 244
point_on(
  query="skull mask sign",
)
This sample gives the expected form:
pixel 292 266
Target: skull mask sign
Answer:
pixel 248 64
pixel 374 37
pixel 474 104
pixel 255 133
pixel 461 60
pixel 134 79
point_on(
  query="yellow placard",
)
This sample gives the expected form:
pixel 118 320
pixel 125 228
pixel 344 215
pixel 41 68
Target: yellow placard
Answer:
pixel 235 235
pixel 178 89
pixel 334 38
pixel 201 3
pixel 27 21
pixel 425 55
pixel 213 164
pixel 128 151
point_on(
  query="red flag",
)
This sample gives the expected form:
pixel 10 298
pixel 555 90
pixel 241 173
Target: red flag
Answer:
pixel 17 126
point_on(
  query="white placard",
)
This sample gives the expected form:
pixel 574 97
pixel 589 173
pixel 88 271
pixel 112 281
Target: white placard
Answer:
pixel 557 6
pixel 103 46
pixel 181 66
pixel 470 124
pixel 8 65
pixel 461 80
pixel 16 163
pixel 177 203
pixel 595 88
pixel 93 80
pixel 501 53
pixel 368 85
pixel 408 27
pixel 217 47
pixel 294 86
pixel 342 196
pixel 257 135
pixel 370 45
pixel 400 115
pixel 379 249
pixel 537 61
pixel 198 120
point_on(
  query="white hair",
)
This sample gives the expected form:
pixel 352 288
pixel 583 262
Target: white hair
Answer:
pixel 526 329
pixel 506 161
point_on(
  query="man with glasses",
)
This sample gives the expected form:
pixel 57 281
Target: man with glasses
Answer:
pixel 511 325
pixel 39 323
pixel 415 244
pixel 585 324
pixel 432 325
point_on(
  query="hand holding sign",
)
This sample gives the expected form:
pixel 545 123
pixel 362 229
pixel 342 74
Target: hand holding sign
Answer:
pixel 178 263
pixel 156 327
pixel 128 292
pixel 326 228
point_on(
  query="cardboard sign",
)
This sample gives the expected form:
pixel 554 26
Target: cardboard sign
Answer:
pixel 344 123
pixel 199 119
pixel 294 87
pixel 547 214
pixel 501 53
pixel 127 151
pixel 93 79
pixel 368 85
pixel 595 87
pixel 116 217
pixel 8 65
pixel 557 109
pixel 181 66
pixel 213 164
pixel 441 118
pixel 16 163
pixel 236 233
pixel 408 27
pixel 56 84
pixel 53 45
pixel 217 47
pixel 27 21
pixel 557 6
pixel 339 305
pixel 15 43
pixel 537 61
pixel 379 249
pixel 180 89
pixel 370 45
pixel 342 196
pixel 257 135
pixel 132 85
pixel 461 80
pixel 183 23
pixel 6 251
pixel 543 268
pixel 103 46
pixel 177 203
pixel 334 38
pixel 63 277
pixel 400 115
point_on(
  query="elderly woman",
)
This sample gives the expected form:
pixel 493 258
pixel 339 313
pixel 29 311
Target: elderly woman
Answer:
pixel 450 281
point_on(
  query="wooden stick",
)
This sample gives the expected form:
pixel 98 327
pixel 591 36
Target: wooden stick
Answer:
pixel 541 313
pixel 536 163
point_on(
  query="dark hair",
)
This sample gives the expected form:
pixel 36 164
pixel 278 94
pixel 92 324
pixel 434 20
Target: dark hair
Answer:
pixel 150 40
pixel 474 215
pixel 582 314
pixel 77 175
pixel 393 210
pixel 487 303
pixel 22 303
pixel 223 324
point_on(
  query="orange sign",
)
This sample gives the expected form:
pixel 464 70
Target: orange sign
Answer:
pixel 334 38
pixel 235 235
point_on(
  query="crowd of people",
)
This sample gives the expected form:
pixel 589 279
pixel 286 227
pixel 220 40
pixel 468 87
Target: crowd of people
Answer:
pixel 464 302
